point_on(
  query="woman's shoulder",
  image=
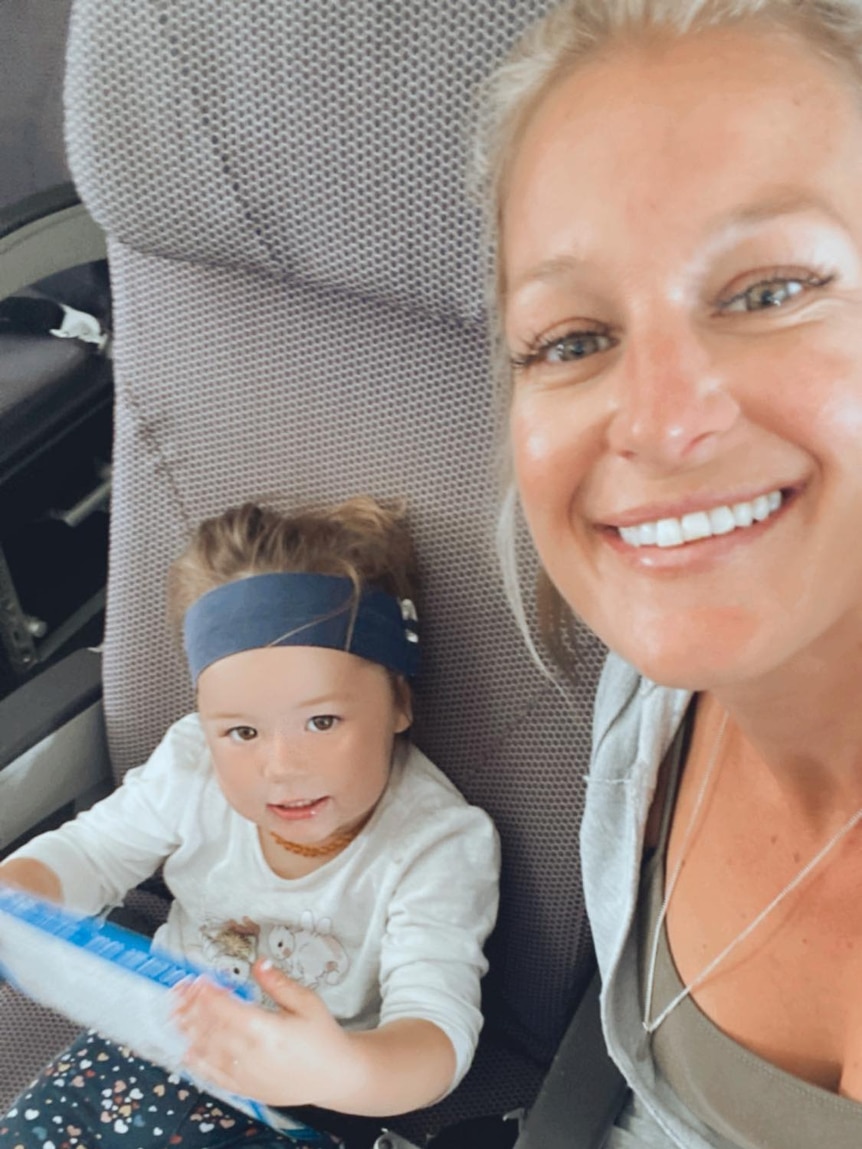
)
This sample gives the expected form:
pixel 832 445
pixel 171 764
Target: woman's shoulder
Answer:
pixel 621 689
pixel 634 720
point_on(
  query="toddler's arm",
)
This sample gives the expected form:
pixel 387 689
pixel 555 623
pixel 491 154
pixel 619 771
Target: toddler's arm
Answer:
pixel 108 849
pixel 439 917
pixel 302 1056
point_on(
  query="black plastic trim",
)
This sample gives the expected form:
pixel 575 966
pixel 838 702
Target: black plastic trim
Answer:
pixel 47 702
pixel 33 207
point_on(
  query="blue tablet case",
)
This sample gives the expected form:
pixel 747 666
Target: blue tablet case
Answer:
pixel 112 980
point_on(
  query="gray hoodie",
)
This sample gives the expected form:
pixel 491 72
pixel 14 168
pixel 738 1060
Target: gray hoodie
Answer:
pixel 635 722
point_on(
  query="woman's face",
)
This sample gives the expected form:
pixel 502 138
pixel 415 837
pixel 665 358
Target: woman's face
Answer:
pixel 682 244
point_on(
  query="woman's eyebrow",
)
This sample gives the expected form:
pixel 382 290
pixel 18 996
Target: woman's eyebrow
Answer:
pixel 553 269
pixel 780 202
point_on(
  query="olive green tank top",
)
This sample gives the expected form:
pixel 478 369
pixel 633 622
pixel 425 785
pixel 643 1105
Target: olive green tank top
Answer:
pixel 744 1098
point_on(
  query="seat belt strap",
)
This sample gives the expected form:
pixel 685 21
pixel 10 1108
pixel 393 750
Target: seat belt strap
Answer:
pixel 583 1091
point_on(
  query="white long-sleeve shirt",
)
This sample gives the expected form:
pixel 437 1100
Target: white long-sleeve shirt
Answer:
pixel 392 927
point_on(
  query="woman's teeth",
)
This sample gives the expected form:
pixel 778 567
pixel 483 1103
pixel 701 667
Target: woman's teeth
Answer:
pixel 701 524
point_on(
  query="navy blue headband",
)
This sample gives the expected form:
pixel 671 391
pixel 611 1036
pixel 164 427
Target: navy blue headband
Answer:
pixel 287 609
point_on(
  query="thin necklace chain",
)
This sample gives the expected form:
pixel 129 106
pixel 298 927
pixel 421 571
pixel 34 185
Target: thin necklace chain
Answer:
pixel 652 1024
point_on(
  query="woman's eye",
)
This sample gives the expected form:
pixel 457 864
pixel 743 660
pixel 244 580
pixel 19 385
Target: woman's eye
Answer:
pixel 577 346
pixel 242 733
pixel 569 348
pixel 320 723
pixel 771 293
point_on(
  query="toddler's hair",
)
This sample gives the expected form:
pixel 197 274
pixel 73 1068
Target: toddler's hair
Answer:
pixel 366 541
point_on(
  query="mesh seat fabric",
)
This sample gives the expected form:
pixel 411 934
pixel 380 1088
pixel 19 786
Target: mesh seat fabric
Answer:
pixel 298 281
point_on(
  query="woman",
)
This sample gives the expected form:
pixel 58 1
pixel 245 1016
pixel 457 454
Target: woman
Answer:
pixel 676 191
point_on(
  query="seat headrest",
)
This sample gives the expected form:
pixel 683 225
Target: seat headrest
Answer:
pixel 318 139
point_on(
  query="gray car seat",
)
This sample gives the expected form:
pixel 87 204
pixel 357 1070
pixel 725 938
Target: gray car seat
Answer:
pixel 298 281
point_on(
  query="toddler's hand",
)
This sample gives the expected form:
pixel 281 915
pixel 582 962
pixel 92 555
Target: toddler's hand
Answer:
pixel 298 1055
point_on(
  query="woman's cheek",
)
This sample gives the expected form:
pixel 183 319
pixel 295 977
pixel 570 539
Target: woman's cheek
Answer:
pixel 550 452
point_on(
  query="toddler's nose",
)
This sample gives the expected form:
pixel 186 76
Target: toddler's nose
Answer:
pixel 281 759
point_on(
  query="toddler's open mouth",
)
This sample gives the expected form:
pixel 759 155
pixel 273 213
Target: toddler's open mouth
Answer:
pixel 298 809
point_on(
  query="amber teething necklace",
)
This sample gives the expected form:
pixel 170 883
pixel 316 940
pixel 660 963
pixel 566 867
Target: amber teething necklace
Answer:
pixel 323 849
pixel 330 846
pixel 651 1024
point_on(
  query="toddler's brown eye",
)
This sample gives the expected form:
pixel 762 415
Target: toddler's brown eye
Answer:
pixel 321 723
pixel 242 733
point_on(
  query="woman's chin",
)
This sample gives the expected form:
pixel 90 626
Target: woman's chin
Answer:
pixel 684 657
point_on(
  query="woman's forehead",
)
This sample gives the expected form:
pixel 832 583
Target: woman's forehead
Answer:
pixel 721 121
pixel 681 70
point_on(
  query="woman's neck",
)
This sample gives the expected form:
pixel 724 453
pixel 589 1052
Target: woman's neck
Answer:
pixel 803 722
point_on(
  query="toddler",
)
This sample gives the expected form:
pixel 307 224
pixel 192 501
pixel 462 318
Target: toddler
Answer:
pixel 312 852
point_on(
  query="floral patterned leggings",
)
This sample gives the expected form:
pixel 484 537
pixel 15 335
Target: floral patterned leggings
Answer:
pixel 97 1095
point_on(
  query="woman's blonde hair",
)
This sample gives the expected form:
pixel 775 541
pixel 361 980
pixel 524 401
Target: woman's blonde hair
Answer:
pixel 556 46
pixel 366 541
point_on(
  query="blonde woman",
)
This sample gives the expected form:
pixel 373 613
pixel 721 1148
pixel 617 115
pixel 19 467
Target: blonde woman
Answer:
pixel 675 187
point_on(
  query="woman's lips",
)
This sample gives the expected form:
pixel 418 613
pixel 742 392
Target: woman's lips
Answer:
pixel 697 555
pixel 674 531
pixel 297 811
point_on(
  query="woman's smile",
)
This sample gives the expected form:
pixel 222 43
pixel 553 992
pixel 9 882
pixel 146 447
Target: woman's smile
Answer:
pixel 685 332
pixel 667 528
pixel 660 542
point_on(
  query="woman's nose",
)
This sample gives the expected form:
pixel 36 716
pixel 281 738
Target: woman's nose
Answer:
pixel 673 405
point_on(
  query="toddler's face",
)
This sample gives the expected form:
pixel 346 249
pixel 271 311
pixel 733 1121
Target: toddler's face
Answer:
pixel 301 737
